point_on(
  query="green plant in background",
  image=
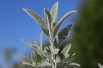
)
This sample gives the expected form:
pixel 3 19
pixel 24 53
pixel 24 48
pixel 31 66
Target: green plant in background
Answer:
pixel 87 40
pixel 52 56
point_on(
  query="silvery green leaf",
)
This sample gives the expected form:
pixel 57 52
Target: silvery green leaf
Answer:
pixel 25 59
pixel 48 16
pixel 25 63
pixel 54 50
pixel 48 19
pixel 38 20
pixel 74 64
pixel 35 47
pixel 66 50
pixel 61 21
pixel 57 59
pixel 36 17
pixel 54 13
pixel 101 66
pixel 68 59
pixel 29 44
pixel 28 66
pixel 44 64
pixel 46 50
pixel 63 34
pixel 34 58
pixel 62 65
pixel 45 31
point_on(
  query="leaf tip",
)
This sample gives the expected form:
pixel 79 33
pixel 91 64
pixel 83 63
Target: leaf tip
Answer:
pixel 24 9
pixel 74 11
pixel 20 56
pixel 22 40
pixel 56 3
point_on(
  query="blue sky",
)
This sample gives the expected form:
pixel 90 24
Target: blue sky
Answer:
pixel 15 24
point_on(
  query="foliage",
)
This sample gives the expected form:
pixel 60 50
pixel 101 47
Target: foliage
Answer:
pixel 51 56
pixel 87 38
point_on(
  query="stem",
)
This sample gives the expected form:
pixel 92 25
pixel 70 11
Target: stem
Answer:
pixel 51 40
pixel 41 35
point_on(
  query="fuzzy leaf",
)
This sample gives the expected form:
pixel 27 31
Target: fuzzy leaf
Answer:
pixel 66 50
pixel 101 66
pixel 34 58
pixel 57 59
pixel 54 50
pixel 29 44
pixel 69 59
pixel 74 64
pixel 61 21
pixel 25 63
pixel 46 50
pixel 48 19
pixel 48 16
pixel 35 47
pixel 44 64
pixel 63 34
pixel 25 59
pixel 54 13
pixel 38 19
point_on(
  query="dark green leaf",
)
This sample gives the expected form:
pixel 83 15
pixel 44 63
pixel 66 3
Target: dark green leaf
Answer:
pixel 63 34
pixel 61 21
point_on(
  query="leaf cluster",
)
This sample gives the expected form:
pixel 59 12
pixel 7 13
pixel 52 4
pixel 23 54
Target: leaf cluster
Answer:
pixel 51 56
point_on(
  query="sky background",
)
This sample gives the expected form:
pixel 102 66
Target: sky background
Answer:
pixel 15 24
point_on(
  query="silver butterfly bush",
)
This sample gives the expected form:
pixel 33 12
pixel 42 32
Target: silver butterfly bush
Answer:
pixel 51 56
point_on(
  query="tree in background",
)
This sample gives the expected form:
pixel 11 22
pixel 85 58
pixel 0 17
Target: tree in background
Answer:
pixel 87 38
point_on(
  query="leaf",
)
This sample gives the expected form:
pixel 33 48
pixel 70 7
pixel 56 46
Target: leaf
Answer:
pixel 74 64
pixel 54 50
pixel 63 34
pixel 66 50
pixel 54 13
pixel 38 20
pixel 34 58
pixel 101 66
pixel 57 59
pixel 25 59
pixel 69 59
pixel 25 63
pixel 46 50
pixel 29 44
pixel 44 64
pixel 61 21
pixel 48 19
pixel 36 17
pixel 35 47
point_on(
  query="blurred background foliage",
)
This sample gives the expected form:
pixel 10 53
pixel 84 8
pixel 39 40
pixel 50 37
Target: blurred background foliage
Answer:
pixel 87 37
pixel 87 40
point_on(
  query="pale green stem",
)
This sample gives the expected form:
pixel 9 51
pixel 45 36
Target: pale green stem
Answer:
pixel 41 35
